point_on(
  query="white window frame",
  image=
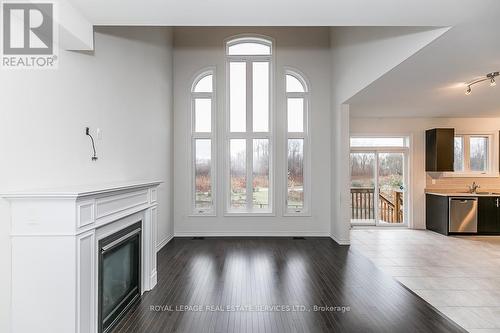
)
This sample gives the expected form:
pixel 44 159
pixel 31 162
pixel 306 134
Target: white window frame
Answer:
pixel 249 135
pixel 306 210
pixel 405 138
pixel 244 38
pixel 492 162
pixel 203 135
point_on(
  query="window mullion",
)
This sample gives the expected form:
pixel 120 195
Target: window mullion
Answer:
pixel 202 95
pixel 244 58
pixel 193 207
pixel 305 116
pixel 239 135
pixel 249 118
pixel 249 161
pixel 467 153
pixel 249 105
pixel 202 135
pixel 296 95
pixel 296 135
pixel 260 135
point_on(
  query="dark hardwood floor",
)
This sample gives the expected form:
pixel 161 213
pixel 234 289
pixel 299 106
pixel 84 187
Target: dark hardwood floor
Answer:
pixel 283 272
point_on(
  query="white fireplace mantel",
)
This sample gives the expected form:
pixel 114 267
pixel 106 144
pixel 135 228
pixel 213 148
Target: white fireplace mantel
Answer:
pixel 55 235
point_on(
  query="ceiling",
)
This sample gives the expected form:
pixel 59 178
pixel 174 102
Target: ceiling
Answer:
pixel 431 83
pixel 281 12
pixel 428 84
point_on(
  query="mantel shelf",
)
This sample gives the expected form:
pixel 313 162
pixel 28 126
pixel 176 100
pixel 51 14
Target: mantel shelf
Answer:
pixel 78 191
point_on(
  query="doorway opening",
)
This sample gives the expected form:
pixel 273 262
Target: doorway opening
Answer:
pixel 379 181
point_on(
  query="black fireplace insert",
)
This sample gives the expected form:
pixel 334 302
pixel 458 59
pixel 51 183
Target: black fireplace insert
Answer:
pixel 119 275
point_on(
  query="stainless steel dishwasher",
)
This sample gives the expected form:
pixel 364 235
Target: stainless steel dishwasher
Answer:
pixel 463 215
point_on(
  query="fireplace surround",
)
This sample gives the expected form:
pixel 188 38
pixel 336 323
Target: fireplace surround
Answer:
pixel 57 237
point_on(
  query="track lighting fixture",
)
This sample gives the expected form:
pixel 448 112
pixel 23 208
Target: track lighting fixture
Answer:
pixel 490 76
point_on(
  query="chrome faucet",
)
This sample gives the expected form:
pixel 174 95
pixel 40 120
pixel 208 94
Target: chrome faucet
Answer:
pixel 473 188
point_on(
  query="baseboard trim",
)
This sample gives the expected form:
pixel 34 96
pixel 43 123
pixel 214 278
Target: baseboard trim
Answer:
pixel 251 234
pixel 164 242
pixel 154 279
pixel 340 241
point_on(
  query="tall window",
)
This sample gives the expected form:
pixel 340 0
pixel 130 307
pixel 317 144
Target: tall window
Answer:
pixel 249 137
pixel 472 154
pixel 203 143
pixel 297 102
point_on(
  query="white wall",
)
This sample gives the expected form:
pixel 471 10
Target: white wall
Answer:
pixel 306 49
pixel 124 88
pixel 361 55
pixel 415 127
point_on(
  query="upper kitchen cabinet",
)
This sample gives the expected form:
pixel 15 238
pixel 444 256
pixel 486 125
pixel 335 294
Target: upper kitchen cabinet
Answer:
pixel 439 149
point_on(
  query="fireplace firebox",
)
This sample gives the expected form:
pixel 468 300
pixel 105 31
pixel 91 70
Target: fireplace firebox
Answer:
pixel 119 275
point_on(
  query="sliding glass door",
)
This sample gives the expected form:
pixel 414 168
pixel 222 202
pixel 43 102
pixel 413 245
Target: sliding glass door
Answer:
pixel 363 188
pixel 391 185
pixel 379 186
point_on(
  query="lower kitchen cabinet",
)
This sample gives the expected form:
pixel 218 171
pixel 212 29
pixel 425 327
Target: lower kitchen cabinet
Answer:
pixel 438 214
pixel 488 215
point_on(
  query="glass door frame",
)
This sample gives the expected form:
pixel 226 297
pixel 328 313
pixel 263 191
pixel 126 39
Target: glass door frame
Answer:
pixel 380 150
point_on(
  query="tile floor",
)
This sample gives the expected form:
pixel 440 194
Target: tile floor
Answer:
pixel 460 276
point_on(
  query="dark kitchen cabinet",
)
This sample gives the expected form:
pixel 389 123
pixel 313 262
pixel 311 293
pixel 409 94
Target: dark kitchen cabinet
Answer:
pixel 439 149
pixel 488 215
pixel 436 213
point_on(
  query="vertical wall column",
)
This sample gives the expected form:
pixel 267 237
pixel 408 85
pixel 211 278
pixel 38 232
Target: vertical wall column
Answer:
pixel 341 174
pixel 344 175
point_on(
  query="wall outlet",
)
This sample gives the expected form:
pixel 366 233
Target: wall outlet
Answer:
pixel 99 134
pixel 433 181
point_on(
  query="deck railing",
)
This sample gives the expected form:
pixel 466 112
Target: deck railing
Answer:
pixel 363 205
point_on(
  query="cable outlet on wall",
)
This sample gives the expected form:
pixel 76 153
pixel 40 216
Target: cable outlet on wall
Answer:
pixel 99 134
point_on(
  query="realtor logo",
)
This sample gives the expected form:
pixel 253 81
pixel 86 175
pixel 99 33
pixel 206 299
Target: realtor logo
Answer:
pixel 28 35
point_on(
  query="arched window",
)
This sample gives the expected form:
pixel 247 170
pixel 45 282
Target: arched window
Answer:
pixel 249 131
pixel 297 143
pixel 249 46
pixel 203 143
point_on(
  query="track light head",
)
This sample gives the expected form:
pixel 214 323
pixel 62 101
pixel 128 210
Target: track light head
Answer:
pixel 490 76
